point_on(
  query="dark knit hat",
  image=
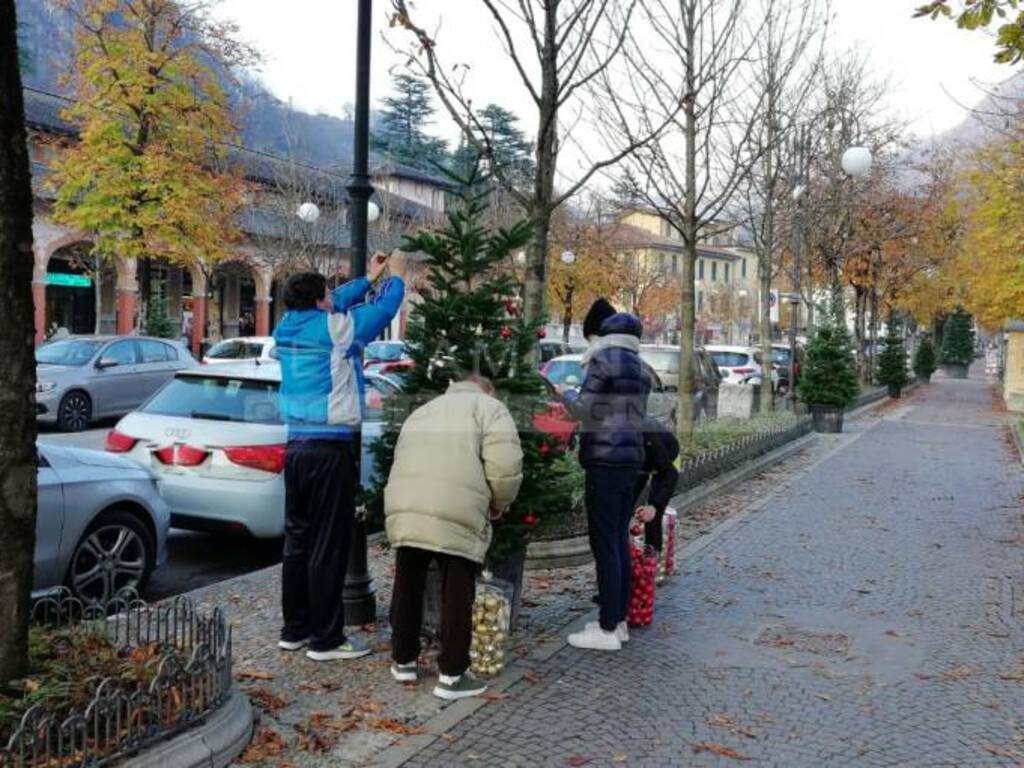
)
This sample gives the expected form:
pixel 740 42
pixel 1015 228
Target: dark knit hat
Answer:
pixel 599 311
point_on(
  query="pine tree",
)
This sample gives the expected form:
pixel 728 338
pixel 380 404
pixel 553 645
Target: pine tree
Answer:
pixel 401 127
pixel 829 376
pixel 924 359
pixel 958 339
pixel 158 324
pixel 470 321
pixel 892 363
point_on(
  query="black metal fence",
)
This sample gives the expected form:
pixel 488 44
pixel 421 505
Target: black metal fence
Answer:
pixel 711 464
pixel 191 656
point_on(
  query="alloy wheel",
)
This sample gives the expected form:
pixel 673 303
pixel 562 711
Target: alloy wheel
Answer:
pixel 75 412
pixel 108 560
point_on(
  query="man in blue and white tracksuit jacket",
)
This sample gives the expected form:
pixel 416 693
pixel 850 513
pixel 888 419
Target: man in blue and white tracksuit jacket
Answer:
pixel 319 343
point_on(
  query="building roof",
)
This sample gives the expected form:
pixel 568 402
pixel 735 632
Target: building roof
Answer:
pixel 628 236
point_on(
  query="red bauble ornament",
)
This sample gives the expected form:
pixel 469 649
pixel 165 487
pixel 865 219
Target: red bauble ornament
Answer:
pixel 541 333
pixel 544 449
pixel 529 520
pixel 511 308
pixel 506 332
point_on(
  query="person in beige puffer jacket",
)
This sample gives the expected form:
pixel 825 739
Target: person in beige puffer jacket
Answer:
pixel 458 465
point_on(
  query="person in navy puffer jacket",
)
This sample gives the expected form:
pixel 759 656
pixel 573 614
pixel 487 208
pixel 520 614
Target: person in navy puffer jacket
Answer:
pixel 319 343
pixel 612 406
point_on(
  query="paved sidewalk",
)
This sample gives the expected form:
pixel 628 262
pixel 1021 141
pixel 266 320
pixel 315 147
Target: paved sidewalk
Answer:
pixel 870 614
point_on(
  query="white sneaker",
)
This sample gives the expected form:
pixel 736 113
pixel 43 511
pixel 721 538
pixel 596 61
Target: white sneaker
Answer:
pixel 353 648
pixel 405 673
pixel 621 631
pixel 596 639
pixel 293 645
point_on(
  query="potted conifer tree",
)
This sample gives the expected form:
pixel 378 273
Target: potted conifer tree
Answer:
pixel 957 345
pixel 828 383
pixel 924 360
pixel 892 363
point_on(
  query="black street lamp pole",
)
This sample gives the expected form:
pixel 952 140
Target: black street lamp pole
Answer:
pixel 800 146
pixel 360 601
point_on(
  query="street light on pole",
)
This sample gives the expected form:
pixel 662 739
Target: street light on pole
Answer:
pixel 360 601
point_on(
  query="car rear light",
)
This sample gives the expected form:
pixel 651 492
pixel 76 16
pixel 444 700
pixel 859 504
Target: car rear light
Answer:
pixel 744 371
pixel 187 456
pixel 165 455
pixel 118 442
pixel 268 458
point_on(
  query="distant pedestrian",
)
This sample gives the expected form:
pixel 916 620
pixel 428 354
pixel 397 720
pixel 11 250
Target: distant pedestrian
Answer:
pixel 458 465
pixel 612 405
pixel 319 343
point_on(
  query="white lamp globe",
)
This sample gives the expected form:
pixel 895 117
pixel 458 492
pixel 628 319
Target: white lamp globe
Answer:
pixel 308 212
pixel 372 212
pixel 857 161
pixel 568 257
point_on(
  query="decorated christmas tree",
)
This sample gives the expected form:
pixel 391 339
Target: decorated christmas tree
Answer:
pixel 892 363
pixel 158 323
pixel 958 339
pixel 828 375
pixel 470 322
pixel 924 359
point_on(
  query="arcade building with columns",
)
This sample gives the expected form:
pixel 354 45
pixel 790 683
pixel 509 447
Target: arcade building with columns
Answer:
pixel 234 297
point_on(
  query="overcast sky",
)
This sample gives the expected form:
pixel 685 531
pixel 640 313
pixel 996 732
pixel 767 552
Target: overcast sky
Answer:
pixel 310 56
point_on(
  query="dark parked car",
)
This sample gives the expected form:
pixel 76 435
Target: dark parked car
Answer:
pixel 664 359
pixel 83 378
pixel 780 359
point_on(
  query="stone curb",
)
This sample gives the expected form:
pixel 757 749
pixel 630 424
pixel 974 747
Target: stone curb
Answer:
pixel 215 743
pixel 1011 425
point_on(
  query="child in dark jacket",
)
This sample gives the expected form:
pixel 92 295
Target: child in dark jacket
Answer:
pixel 661 449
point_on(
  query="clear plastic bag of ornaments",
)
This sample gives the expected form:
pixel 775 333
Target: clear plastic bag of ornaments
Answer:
pixel 669 535
pixel 492 613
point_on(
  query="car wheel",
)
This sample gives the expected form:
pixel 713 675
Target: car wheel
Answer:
pixel 115 553
pixel 74 412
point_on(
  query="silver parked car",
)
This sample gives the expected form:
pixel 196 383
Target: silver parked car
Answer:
pixel 101 526
pixel 91 377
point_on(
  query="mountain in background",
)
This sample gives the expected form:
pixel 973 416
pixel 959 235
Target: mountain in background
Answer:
pixel 265 122
pixel 999 107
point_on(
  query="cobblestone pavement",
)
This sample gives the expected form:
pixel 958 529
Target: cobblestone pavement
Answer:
pixel 869 614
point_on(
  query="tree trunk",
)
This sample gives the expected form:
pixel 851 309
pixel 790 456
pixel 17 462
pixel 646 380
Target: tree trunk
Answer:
pixel 873 336
pixel 765 277
pixel 859 326
pixel 691 231
pixel 544 180
pixel 567 315
pixel 18 372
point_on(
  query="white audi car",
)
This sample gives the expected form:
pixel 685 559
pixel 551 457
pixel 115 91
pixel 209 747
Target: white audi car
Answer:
pixel 215 442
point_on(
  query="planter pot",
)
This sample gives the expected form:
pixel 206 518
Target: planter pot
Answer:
pixel 827 418
pixel 925 379
pixel 510 569
pixel 558 553
pixel 955 370
pixel 895 391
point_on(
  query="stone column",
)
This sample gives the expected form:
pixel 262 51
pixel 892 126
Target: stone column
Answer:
pixel 127 296
pixel 41 258
pixel 263 278
pixel 199 300
pixel 230 309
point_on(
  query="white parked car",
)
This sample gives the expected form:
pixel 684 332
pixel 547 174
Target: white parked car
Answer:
pixel 244 348
pixel 216 444
pixel 741 365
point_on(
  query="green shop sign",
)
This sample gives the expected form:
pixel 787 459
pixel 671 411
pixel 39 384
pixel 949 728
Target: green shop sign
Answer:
pixel 68 281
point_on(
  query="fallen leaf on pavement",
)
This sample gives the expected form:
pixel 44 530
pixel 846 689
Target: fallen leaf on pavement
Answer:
pixel 578 759
pixel 531 677
pixel 395 726
pixel 1001 752
pixel 718 749
pixel 722 721
pixel 824 697
pixel 266 743
pixel 266 700
pixel 959 672
pixel 496 696
pixel 254 674
pixel 619 757
pixel 450 738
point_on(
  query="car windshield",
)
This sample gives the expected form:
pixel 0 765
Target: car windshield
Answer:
pixel 384 351
pixel 730 359
pixel 230 350
pixel 780 355
pixel 68 352
pixel 662 360
pixel 217 398
pixel 568 372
